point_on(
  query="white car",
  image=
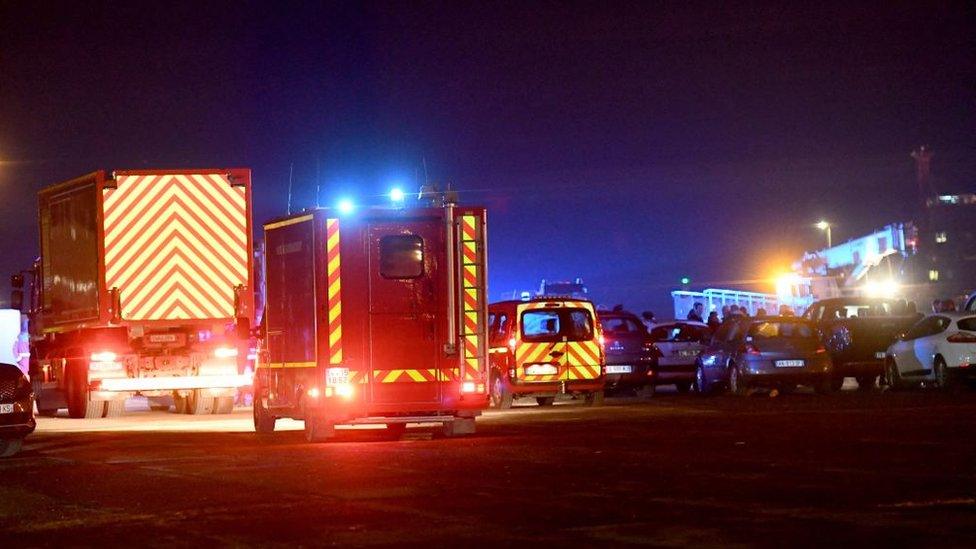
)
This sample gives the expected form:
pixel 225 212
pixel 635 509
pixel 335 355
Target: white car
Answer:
pixel 939 349
pixel 678 343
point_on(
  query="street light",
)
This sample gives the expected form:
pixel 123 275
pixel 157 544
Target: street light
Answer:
pixel 824 226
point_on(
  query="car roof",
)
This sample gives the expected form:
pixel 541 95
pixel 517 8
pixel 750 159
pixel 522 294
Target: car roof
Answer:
pixel 954 315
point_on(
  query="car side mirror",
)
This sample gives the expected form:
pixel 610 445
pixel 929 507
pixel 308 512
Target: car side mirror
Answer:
pixel 17 299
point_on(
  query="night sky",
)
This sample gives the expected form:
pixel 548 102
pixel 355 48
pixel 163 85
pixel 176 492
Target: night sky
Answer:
pixel 631 145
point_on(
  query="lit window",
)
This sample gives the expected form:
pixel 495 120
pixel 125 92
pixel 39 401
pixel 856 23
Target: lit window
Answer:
pixel 941 237
pixel 934 276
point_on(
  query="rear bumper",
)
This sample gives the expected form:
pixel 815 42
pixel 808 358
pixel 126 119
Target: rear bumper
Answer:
pixel 556 388
pixel 671 373
pixel 769 379
pixel 229 382
pixel 640 376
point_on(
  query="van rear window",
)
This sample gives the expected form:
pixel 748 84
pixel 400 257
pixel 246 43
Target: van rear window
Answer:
pixel 555 324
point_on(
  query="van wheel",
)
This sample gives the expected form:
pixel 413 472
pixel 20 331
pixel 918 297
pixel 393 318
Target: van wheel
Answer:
pixel 318 429
pixel 545 401
pixel 594 398
pixel 114 408
pixel 10 446
pixel 79 405
pixel 264 422
pixel 224 405
pixel 501 396
pixel 199 404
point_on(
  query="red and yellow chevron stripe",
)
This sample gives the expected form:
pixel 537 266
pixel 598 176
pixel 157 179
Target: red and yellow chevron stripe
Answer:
pixel 335 291
pixel 176 245
pixel 472 298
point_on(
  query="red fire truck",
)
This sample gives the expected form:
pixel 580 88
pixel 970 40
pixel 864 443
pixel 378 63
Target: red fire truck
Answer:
pixel 143 286
pixel 374 317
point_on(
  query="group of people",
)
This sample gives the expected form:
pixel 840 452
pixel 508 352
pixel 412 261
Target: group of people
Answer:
pixel 729 312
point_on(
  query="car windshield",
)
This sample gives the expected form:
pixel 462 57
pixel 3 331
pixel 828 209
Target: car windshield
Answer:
pixel 766 330
pixel 555 324
pixel 680 333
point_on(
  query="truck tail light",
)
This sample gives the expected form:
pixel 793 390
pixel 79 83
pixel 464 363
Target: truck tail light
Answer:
pixel 225 352
pixel 468 387
pixel 104 361
pixel 961 337
pixel 104 356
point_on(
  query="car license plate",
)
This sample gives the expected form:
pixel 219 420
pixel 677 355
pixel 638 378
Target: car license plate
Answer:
pixel 6 408
pixel 789 363
pixel 879 355
pixel 336 376
pixel 541 370
pixel 688 353
pixel 619 369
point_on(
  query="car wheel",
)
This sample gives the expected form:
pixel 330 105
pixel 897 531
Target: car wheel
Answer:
pixel 545 401
pixel 702 387
pixel 594 398
pixel 893 377
pixel 737 385
pixel 943 376
pixel 682 387
pixel 501 396
pixel 10 446
pixel 646 392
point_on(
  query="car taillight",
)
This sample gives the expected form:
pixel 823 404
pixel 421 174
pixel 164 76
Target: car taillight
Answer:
pixel 821 349
pixel 962 337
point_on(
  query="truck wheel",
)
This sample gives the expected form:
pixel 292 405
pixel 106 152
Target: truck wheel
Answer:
pixel 43 408
pixel 501 396
pixel 114 408
pixel 199 404
pixel 594 398
pixel 79 407
pixel 181 404
pixel 459 427
pixel 10 446
pixel 318 429
pixel 223 405
pixel 866 383
pixel 544 401
pixel 264 422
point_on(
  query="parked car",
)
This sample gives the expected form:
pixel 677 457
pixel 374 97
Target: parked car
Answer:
pixel 857 332
pixel 678 344
pixel 16 409
pixel 630 357
pixel 771 352
pixel 940 348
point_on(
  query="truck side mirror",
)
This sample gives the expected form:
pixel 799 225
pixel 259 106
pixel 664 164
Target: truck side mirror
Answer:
pixel 17 299
pixel 243 328
pixel 17 281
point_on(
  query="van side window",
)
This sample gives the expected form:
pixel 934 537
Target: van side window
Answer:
pixel 401 256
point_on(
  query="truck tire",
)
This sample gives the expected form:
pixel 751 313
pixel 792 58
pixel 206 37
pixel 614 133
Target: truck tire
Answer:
pixel 79 405
pixel 318 429
pixel 264 422
pixel 181 404
pixel 10 446
pixel 594 398
pixel 199 404
pixel 223 405
pixel 114 408
pixel 501 396
pixel 459 427
pixel 43 408
pixel 545 401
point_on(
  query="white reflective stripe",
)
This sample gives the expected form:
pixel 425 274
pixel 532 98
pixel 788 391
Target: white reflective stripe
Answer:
pixel 175 383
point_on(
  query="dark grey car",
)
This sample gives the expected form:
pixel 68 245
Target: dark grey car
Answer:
pixel 770 352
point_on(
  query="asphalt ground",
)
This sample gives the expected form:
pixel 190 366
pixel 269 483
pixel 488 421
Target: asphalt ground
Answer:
pixel 893 469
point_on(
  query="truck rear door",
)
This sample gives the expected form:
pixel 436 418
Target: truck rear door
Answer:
pixel 405 270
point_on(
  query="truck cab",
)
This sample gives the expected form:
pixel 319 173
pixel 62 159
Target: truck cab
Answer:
pixel 545 347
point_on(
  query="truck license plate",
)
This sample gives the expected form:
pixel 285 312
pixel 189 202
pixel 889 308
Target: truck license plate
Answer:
pixel 541 370
pixel 619 369
pixel 6 408
pixel 336 376
pixel 789 363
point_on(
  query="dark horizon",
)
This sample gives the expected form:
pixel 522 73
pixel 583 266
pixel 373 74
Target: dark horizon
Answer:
pixel 629 145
